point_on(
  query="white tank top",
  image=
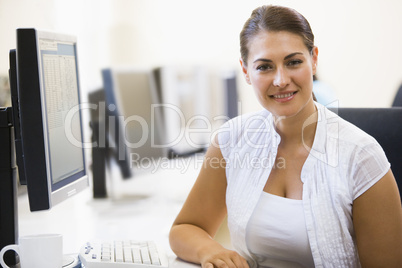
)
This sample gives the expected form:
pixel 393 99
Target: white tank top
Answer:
pixel 276 234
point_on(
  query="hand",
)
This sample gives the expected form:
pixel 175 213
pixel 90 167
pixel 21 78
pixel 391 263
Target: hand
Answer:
pixel 224 258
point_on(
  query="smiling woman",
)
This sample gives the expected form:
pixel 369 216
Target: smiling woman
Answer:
pixel 277 45
pixel 316 203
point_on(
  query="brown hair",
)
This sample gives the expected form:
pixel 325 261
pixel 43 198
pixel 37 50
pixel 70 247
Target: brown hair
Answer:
pixel 275 18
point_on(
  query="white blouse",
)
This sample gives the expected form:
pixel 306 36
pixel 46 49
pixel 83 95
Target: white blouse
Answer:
pixel 276 234
pixel 342 164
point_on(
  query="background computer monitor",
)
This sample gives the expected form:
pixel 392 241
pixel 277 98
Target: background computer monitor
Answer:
pixel 185 107
pixel 195 101
pixel 131 96
pixel 106 148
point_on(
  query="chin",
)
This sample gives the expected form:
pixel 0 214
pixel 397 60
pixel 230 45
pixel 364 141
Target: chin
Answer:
pixel 286 111
pixel 286 114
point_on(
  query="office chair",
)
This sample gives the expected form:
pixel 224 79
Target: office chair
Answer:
pixel 385 125
pixel 398 98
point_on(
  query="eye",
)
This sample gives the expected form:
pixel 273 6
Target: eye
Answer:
pixel 264 67
pixel 295 62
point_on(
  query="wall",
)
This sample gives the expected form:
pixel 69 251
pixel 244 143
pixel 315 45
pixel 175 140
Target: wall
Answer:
pixel 359 41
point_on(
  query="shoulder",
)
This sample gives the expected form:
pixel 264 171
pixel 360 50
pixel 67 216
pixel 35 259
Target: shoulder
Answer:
pixel 346 133
pixel 358 155
pixel 350 142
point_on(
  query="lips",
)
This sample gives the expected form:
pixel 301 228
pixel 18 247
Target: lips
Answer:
pixel 284 97
pixel 281 96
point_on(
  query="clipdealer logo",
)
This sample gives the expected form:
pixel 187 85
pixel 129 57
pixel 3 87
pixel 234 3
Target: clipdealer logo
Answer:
pixel 148 130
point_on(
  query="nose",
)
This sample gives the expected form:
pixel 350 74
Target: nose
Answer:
pixel 281 78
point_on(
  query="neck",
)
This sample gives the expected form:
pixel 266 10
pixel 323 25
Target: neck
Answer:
pixel 298 129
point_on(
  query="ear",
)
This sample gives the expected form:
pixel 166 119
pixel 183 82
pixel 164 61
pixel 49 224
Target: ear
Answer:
pixel 314 57
pixel 245 72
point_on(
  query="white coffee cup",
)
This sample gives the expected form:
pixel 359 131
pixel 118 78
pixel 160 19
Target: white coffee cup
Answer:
pixel 37 251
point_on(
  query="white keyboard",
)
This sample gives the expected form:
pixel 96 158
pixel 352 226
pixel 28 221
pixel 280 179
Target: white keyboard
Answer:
pixel 125 254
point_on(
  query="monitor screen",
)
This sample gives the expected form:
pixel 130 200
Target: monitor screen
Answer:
pixel 49 117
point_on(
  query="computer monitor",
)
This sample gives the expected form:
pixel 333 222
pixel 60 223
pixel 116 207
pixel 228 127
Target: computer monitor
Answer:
pixel 185 107
pixel 131 101
pixel 49 117
pixel 106 149
pixel 42 131
pixel 230 94
pixel 126 129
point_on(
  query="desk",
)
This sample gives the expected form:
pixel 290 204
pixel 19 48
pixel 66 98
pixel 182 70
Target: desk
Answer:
pixel 142 208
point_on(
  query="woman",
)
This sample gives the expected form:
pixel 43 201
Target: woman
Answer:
pixel 300 186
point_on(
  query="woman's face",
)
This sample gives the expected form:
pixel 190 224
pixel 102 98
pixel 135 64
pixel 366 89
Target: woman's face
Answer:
pixel 280 68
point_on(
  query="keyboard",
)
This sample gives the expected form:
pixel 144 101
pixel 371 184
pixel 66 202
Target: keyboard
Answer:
pixel 124 254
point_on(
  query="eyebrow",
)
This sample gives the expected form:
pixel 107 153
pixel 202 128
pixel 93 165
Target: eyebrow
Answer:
pixel 287 57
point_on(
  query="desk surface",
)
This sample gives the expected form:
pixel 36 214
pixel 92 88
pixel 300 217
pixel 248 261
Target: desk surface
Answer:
pixel 142 208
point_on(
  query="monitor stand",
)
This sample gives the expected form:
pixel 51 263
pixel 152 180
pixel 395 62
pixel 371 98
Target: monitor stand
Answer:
pixel 98 163
pixel 8 186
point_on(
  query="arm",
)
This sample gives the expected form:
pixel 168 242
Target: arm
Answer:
pixel 377 219
pixel 202 213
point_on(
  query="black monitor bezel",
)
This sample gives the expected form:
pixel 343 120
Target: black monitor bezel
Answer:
pixel 42 193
